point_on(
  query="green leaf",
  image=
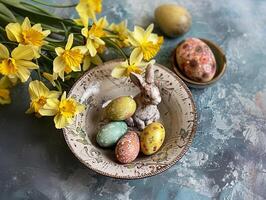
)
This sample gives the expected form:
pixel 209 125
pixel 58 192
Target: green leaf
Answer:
pixel 37 17
pixel 54 5
pixel 35 8
pixel 7 14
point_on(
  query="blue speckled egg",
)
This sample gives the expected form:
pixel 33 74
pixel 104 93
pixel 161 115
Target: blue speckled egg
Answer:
pixel 111 133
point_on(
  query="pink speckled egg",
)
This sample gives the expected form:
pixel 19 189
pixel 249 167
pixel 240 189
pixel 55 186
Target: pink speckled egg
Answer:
pixel 127 148
pixel 196 60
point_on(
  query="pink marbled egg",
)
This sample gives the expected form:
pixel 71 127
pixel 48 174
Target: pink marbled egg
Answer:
pixel 196 60
pixel 127 148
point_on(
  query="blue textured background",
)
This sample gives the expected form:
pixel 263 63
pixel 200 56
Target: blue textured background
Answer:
pixel 227 157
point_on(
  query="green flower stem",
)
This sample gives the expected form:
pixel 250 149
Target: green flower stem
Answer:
pixel 115 46
pixel 38 70
pixel 54 5
pixel 58 86
pixel 46 57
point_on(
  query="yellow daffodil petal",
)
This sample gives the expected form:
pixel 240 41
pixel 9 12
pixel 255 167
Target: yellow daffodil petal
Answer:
pixel 59 51
pixel 85 32
pixel 53 94
pixel 13 31
pixel 46 33
pixel 61 121
pixel 23 74
pixel 76 68
pixel 119 72
pixel 91 48
pixel 5 96
pixel 37 27
pixel 132 40
pixel 83 49
pixel 37 89
pixel 26 24
pixel 58 64
pixel 136 56
pixel 138 33
pixel 23 52
pixel 99 41
pixel 63 97
pixel 69 41
pixel 51 107
pixel 26 64
pixel 50 77
pixel 86 62
pixel 148 31
pixel 4 53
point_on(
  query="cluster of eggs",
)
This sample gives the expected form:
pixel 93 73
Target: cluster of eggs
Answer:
pixel 128 143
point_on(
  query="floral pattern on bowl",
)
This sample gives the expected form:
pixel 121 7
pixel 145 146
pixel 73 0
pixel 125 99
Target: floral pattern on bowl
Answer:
pixel 178 114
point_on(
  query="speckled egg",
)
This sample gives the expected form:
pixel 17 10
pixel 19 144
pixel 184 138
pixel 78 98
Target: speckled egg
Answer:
pixel 151 138
pixel 196 60
pixel 120 108
pixel 127 148
pixel 111 133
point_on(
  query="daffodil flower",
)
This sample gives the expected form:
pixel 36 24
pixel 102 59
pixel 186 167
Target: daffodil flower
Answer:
pixel 122 33
pixel 68 59
pixel 88 60
pixel 19 64
pixel 145 41
pixel 27 35
pixel 87 9
pixel 94 35
pixel 39 95
pixel 64 110
pixel 5 84
pixel 134 64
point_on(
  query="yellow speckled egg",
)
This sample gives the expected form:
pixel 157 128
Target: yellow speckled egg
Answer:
pixel 151 138
pixel 120 108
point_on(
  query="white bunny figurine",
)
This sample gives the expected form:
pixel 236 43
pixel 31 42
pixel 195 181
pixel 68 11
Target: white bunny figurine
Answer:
pixel 147 100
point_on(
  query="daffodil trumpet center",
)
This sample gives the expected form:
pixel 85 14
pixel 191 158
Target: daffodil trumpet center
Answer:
pixel 32 37
pixel 8 67
pixel 96 31
pixel 150 49
pixel 67 108
pixel 72 57
pixel 39 103
pixel 133 68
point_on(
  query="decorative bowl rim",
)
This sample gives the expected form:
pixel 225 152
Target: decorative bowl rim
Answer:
pixel 179 156
pixel 196 83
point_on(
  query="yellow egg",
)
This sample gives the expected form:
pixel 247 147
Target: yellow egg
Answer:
pixel 120 108
pixel 151 138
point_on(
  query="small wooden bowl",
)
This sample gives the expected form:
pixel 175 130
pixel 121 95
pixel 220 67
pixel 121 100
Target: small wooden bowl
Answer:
pixel 220 64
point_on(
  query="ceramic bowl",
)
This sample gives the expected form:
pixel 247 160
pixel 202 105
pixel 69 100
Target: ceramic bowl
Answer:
pixel 178 114
pixel 220 64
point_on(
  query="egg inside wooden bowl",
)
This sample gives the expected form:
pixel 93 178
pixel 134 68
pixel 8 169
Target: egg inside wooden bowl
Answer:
pixel 220 60
pixel 178 115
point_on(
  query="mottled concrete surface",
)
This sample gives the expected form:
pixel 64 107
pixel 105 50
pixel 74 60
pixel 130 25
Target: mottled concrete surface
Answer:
pixel 227 159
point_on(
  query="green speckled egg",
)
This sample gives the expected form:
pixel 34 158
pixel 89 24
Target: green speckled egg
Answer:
pixel 151 138
pixel 111 133
pixel 120 108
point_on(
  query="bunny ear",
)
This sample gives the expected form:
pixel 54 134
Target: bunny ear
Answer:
pixel 149 76
pixel 137 79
